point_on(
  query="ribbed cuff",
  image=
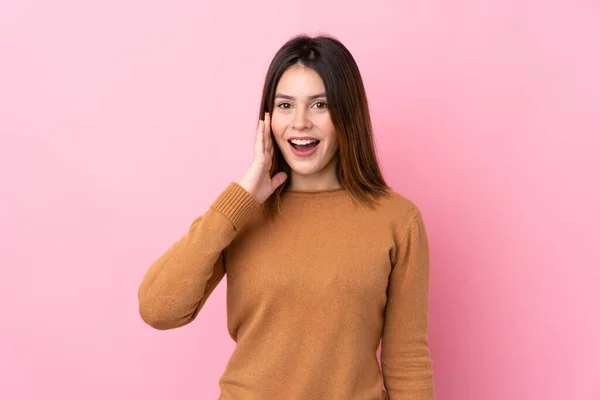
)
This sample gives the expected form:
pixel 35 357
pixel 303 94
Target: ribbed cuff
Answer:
pixel 236 204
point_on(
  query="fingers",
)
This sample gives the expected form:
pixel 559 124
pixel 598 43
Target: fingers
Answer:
pixel 259 142
pixel 267 133
pixel 278 179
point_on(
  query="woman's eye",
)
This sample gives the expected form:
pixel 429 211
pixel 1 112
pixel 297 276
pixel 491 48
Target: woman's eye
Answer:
pixel 320 105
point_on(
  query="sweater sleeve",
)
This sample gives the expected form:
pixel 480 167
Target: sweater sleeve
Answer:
pixel 176 286
pixel 405 358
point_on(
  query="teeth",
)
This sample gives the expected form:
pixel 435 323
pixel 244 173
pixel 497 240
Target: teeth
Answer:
pixel 302 142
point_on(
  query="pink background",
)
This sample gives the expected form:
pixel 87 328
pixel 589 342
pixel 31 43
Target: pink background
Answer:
pixel 121 121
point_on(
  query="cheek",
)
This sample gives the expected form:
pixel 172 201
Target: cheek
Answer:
pixel 276 121
pixel 329 132
pixel 326 126
pixel 277 136
pixel 277 130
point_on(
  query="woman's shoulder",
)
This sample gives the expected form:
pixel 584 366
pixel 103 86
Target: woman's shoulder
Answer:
pixel 399 207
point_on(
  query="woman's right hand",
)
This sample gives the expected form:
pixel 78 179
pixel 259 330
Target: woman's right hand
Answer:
pixel 257 180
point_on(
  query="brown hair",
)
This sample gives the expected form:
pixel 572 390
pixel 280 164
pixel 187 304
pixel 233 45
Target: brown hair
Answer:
pixel 357 170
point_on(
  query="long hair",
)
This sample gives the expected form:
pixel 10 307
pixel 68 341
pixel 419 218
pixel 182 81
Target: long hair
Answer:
pixel 358 170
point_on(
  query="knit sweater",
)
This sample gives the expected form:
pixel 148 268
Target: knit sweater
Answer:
pixel 309 295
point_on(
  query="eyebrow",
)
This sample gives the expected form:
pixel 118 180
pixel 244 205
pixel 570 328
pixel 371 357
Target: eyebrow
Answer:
pixel 286 96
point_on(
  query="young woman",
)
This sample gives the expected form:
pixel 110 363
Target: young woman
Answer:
pixel 323 259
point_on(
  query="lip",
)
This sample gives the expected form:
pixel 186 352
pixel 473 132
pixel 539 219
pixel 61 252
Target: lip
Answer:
pixel 303 153
pixel 302 138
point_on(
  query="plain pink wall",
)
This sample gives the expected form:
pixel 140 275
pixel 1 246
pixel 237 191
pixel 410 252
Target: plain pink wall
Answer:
pixel 121 121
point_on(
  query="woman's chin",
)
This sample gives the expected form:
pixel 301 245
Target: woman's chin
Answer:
pixel 303 169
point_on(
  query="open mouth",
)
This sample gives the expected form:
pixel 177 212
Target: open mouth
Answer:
pixel 304 147
pixel 304 150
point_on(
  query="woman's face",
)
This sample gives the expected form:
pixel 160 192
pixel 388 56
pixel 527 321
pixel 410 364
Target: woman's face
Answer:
pixel 301 111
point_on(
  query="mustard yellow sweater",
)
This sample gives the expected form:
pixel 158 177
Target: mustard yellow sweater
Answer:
pixel 309 296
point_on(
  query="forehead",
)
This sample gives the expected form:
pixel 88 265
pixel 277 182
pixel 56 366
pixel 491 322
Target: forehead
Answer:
pixel 300 81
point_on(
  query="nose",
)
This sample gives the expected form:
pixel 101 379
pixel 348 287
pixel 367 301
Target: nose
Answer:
pixel 301 119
